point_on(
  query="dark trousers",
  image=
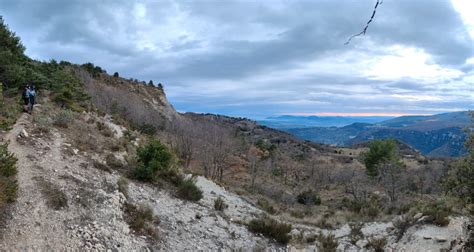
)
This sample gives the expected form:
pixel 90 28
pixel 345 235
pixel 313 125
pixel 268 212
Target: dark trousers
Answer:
pixel 32 102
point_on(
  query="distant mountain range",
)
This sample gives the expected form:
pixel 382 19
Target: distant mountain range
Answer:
pixel 439 135
pixel 295 122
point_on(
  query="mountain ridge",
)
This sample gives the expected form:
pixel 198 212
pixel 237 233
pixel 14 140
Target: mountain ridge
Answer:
pixel 440 135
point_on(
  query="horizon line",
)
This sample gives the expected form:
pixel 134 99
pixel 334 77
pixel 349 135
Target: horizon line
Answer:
pixel 359 114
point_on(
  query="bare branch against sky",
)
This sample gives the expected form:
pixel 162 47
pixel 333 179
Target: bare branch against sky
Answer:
pixel 367 25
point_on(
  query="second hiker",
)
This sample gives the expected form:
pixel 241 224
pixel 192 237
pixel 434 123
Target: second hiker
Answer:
pixel 31 96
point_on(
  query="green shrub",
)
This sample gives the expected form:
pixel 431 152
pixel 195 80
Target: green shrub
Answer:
pixel 271 228
pixel 63 118
pixel 147 129
pixel 380 151
pixel 7 162
pixel 219 204
pixel 265 146
pixel 327 243
pixel 154 161
pixel 8 191
pixel 460 182
pixel 188 190
pixel 438 213
pixel 308 198
pixel 8 170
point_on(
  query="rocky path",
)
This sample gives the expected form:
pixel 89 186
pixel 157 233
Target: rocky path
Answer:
pixel 32 223
pixel 76 208
pixel 92 217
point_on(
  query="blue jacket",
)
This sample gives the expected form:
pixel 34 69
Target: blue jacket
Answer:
pixel 31 93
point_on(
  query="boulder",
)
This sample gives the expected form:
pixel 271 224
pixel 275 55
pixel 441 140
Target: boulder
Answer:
pixel 417 216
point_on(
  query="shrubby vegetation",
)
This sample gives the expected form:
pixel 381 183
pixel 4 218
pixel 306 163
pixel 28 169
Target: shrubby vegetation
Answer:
pixel 308 198
pixel 271 228
pixel 219 204
pixel 142 220
pixel 327 243
pixel 459 181
pixel 380 152
pixel 188 190
pixel 154 161
pixel 8 183
pixel 17 70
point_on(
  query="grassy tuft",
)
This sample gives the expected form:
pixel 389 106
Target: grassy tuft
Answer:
pixel 188 190
pixel 271 228
pixel 141 220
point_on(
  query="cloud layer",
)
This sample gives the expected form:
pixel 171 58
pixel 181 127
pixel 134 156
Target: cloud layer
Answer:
pixel 262 58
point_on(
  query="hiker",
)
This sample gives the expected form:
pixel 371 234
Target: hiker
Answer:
pixel 26 98
pixel 32 96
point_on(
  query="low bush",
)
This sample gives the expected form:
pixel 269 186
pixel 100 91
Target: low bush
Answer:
pixel 8 183
pixel 141 220
pixel 43 123
pixel 7 162
pixel 153 162
pixel 308 198
pixel 327 243
pixel 63 118
pixel 377 244
pixel 147 129
pixel 438 213
pixel 266 206
pixel 9 112
pixel 188 190
pixel 271 228
pixel 219 204
pixel 356 232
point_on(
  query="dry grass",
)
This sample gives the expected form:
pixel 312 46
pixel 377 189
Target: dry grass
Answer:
pixel 271 228
pixel 377 244
pixel 219 204
pixel 55 198
pixel 122 184
pixel 142 220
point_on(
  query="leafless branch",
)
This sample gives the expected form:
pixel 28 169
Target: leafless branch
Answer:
pixel 379 2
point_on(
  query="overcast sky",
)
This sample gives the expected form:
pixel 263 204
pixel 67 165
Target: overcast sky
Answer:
pixel 269 57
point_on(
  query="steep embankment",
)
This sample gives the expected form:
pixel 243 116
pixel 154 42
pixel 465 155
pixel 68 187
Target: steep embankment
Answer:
pixel 65 202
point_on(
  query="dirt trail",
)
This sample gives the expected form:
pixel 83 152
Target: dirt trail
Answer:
pixel 91 218
pixel 33 225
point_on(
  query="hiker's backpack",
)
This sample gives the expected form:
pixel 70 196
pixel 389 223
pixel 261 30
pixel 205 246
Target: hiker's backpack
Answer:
pixel 25 93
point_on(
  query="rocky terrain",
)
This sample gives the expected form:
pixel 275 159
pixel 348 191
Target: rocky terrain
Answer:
pixel 65 202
